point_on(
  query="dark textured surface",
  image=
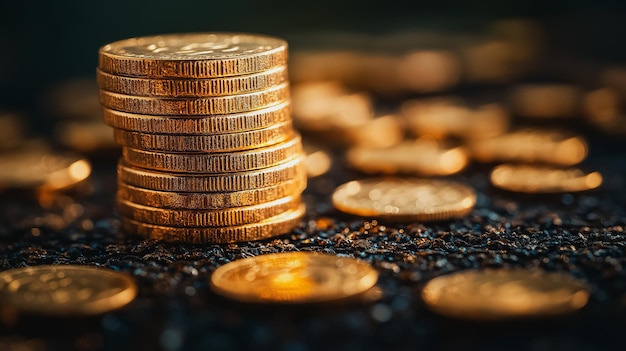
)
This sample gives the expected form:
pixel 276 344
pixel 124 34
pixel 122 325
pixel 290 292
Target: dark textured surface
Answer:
pixel 582 234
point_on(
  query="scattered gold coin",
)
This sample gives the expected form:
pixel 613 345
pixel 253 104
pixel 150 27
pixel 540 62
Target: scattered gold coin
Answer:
pixel 194 55
pixel 504 293
pixel 294 277
pixel 318 160
pixel 546 100
pixel 531 146
pixel 62 290
pixel 12 130
pixel 405 199
pixel 543 179
pixel 420 157
pixel 36 166
pixel 443 117
pixel 85 135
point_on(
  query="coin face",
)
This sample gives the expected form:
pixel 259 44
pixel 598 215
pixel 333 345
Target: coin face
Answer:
pixel 194 55
pixel 198 46
pixel 543 179
pixel 504 293
pixel 295 277
pixel 405 199
pixel 65 290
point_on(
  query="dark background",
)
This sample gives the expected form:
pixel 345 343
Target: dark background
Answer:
pixel 45 42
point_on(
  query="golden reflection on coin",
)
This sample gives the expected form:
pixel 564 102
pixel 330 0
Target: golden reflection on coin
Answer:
pixel 496 294
pixel 39 167
pixel 405 199
pixel 420 157
pixel 531 146
pixel 295 277
pixel 193 55
pixel 65 290
pixel 543 179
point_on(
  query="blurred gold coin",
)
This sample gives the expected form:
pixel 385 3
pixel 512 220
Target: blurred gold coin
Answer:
pixel 443 117
pixel 328 106
pixel 379 132
pixel 318 160
pixel 194 55
pixel 12 130
pixel 210 142
pixel 200 125
pixel 419 157
pixel 237 161
pixel 62 290
pixel 213 200
pixel 294 277
pixel 85 135
pixel 292 167
pixel 405 199
pixel 36 166
pixel 546 100
pixel 267 228
pixel 543 179
pixel 207 218
pixel 198 106
pixel 428 71
pixel 504 293
pixel 192 87
pixel 530 146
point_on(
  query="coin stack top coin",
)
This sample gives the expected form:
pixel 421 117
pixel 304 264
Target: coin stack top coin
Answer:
pixel 209 151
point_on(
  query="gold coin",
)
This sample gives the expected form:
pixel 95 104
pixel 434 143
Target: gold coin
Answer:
pixel 546 100
pixel 543 179
pixel 85 136
pixel 405 199
pixel 212 201
pixel 443 117
pixel 206 218
pixel 293 277
pixel 194 55
pixel 293 167
pixel 267 228
pixel 530 146
pixel 318 160
pixel 495 294
pixel 200 125
pixel 12 130
pixel 421 157
pixel 63 290
pixel 215 163
pixel 36 166
pixel 192 87
pixel 211 143
pixel 218 105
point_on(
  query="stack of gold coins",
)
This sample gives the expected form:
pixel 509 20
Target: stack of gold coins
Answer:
pixel 209 152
